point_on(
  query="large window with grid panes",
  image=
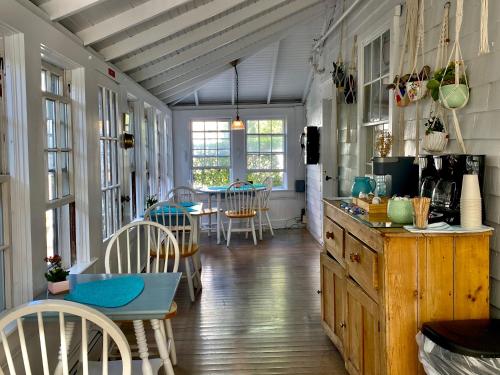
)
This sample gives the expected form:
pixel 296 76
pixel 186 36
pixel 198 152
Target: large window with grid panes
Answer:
pixel 109 160
pixel 375 96
pixel 57 124
pixel 211 152
pixel 265 145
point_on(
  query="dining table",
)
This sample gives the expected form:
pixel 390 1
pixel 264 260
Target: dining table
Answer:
pixel 153 304
pixel 219 193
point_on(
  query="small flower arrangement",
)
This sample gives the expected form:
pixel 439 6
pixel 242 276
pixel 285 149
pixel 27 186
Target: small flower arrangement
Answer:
pixel 56 275
pixel 151 200
pixel 434 124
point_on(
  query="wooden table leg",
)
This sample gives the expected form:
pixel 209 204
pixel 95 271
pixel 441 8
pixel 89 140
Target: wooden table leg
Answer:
pixel 161 342
pixel 142 344
pixel 259 202
pixel 218 218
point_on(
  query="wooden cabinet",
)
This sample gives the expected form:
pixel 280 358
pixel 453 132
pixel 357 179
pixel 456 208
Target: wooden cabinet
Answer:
pixel 333 300
pixel 363 333
pixel 379 286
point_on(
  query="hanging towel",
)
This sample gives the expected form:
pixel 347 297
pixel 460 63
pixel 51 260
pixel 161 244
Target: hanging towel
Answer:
pixel 114 292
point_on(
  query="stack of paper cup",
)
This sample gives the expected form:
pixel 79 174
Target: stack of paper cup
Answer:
pixel 470 202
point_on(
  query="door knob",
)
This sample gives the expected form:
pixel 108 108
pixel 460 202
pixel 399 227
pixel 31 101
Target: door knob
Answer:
pixel 328 178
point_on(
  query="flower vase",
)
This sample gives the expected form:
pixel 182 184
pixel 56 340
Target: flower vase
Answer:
pixel 58 287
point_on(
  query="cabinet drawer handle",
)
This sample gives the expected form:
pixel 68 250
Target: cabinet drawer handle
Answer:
pixel 355 258
pixel 329 235
pixel 342 325
pixel 318 291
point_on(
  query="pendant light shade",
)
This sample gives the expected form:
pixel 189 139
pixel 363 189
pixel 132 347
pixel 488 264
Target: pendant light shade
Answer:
pixel 237 123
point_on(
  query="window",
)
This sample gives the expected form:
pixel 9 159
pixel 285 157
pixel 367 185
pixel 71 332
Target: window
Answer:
pixel 376 108
pixel 211 153
pixel 60 214
pixel 266 151
pixel 110 179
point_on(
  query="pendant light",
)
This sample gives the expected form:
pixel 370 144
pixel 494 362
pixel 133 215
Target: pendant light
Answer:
pixel 237 124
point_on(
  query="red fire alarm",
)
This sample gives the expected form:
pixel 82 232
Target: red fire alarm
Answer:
pixel 111 73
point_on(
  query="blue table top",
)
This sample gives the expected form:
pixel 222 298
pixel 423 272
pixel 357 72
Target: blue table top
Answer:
pixel 219 189
pixel 153 303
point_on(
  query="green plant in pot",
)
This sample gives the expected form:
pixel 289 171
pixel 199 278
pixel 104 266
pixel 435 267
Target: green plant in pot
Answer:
pixel 436 136
pixel 56 275
pixel 151 200
pixel 444 87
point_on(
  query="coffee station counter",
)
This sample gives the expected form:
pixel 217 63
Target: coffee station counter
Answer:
pixel 379 283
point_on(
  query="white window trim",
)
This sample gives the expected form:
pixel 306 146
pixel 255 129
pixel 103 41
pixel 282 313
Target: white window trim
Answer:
pixel 231 156
pixel 285 150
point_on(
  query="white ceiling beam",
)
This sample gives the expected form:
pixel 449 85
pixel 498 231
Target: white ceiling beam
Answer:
pixel 185 94
pixel 273 71
pixel 275 20
pixel 196 100
pixel 184 40
pixel 266 20
pixel 59 9
pixel 125 20
pixel 308 85
pixel 167 28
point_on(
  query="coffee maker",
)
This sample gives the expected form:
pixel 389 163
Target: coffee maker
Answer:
pixel 440 178
pixel 399 174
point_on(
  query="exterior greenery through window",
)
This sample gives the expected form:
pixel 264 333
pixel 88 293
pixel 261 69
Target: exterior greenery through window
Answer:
pixel 60 214
pixel 266 151
pixel 211 153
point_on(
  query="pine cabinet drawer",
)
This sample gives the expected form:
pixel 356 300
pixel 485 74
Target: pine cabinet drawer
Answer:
pixel 334 240
pixel 362 265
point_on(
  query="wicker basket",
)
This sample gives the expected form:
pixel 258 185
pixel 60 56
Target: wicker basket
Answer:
pixel 435 142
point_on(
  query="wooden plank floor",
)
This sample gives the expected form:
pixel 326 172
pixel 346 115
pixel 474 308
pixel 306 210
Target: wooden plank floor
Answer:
pixel 258 313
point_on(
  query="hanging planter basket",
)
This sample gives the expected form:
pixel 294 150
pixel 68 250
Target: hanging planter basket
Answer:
pixel 435 142
pixel 401 96
pixel 454 96
pixel 416 90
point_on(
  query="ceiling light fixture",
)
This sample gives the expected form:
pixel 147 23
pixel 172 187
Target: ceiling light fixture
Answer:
pixel 237 124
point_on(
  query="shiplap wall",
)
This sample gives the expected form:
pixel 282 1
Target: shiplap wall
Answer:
pixel 479 119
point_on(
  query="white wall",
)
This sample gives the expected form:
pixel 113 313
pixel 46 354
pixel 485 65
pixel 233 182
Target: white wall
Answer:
pixel 285 205
pixel 35 30
pixel 479 119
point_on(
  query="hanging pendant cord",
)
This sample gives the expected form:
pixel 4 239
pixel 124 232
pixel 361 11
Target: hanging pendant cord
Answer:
pixel 237 94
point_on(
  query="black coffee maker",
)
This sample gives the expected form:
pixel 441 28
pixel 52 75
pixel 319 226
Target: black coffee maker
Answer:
pixel 440 178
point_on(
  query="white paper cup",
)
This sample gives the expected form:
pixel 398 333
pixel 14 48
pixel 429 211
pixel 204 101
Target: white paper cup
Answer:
pixel 470 187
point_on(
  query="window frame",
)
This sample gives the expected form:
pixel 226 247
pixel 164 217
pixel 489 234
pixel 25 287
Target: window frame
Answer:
pixel 115 185
pixel 230 156
pixel 65 236
pixel 284 185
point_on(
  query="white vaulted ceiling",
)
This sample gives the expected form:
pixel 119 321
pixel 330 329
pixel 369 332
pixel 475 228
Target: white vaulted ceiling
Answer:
pixel 181 50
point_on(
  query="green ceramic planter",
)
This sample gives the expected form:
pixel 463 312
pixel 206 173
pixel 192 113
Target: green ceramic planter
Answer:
pixel 400 211
pixel 454 96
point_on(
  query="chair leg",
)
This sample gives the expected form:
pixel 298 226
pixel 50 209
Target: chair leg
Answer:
pixel 260 224
pixel 170 341
pixel 189 278
pixel 229 232
pixel 161 343
pixel 197 266
pixel 270 225
pixel 223 230
pixel 248 228
pixel 253 231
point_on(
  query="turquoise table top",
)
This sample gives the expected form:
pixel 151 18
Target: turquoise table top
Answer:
pixel 153 303
pixel 218 189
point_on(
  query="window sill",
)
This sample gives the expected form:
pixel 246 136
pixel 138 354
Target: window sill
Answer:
pixel 82 267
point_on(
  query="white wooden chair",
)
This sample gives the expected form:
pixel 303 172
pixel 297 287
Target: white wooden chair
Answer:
pixel 68 314
pixel 263 208
pixel 241 202
pixel 184 228
pixel 138 248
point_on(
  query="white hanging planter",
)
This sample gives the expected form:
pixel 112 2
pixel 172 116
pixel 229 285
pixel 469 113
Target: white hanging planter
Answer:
pixel 416 90
pixel 454 96
pixel 435 142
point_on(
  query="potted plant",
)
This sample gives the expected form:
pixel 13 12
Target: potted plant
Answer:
pixel 56 275
pixel 400 93
pixel 151 200
pixel 416 86
pixel 436 137
pixel 444 87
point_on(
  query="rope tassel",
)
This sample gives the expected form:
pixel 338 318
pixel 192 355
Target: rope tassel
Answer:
pixel 484 45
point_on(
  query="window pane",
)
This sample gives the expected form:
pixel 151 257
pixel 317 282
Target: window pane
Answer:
pixel 50 113
pixel 103 212
pixel 224 162
pixel 65 172
pixel 386 53
pixel 100 110
pixel 265 126
pixel 55 84
pixel 375 102
pixel 376 59
pixel 367 63
pixel 210 177
pixel 107 124
pixel 198 126
pixel 278 143
pixel 44 80
pixel 52 175
pixel 65 118
pixel 211 126
pixel 253 161
pixel 253 143
pixel 223 125
pixel 265 162
pixel 259 177
pixel 366 103
pixel 278 161
pixel 52 233
pixel 252 126
pixel 198 144
pixel 265 143
pixel 277 127
pixel 103 164
pixel 116 170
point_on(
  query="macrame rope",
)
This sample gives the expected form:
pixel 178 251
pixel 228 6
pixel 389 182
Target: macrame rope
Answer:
pixel 484 46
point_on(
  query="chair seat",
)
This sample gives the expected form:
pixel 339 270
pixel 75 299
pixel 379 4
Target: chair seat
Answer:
pixel 240 214
pixel 172 312
pixel 184 251
pixel 205 212
pixel 263 209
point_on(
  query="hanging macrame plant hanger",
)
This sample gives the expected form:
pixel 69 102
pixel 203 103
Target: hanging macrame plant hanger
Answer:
pixel 455 96
pixel 338 73
pixel 350 88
